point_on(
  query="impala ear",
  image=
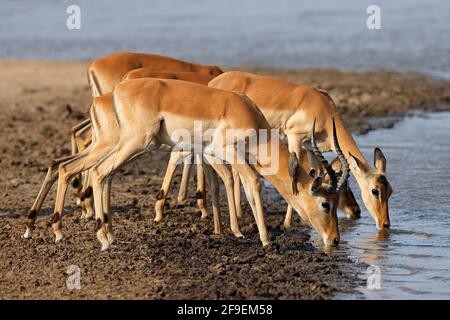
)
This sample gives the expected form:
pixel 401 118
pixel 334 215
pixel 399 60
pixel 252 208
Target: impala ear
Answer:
pixel 357 165
pixel 379 160
pixel 316 184
pixel 294 170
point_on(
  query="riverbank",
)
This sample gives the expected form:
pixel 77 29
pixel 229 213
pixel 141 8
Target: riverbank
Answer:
pixel 178 258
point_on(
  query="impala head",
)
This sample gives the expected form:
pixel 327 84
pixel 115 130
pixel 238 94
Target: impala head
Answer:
pixel 375 188
pixel 347 201
pixel 320 198
pixel 320 207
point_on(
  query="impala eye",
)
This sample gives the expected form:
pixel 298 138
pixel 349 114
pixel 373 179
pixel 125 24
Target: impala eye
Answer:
pixel 375 192
pixel 326 205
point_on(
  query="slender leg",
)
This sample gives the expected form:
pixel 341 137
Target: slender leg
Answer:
pixel 87 200
pixel 184 183
pixel 106 198
pixel 226 175
pixel 250 198
pixel 81 137
pixel 100 227
pixel 246 172
pixel 237 192
pixel 288 219
pixel 50 178
pixel 67 170
pixel 124 152
pixel 162 195
pixel 200 194
pixel 213 183
pixel 73 137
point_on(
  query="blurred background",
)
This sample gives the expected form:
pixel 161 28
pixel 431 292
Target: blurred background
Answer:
pixel 415 35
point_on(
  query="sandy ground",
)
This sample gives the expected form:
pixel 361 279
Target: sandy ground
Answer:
pixel 179 257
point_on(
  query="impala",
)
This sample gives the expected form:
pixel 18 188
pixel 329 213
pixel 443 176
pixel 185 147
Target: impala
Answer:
pixel 103 74
pixel 146 113
pixel 292 108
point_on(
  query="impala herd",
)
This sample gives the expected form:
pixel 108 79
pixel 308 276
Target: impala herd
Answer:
pixel 141 102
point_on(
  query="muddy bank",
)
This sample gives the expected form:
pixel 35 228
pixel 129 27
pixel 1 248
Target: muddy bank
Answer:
pixel 180 257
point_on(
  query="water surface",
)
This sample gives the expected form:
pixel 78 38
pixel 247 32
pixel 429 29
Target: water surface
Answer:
pixel 414 256
pixel 415 35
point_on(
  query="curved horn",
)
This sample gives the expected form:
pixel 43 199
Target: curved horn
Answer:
pixel 344 164
pixel 320 157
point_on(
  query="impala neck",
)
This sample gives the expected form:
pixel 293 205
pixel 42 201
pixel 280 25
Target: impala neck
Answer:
pixel 348 145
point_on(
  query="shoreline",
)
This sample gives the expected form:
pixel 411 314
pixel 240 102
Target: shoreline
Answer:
pixel 178 258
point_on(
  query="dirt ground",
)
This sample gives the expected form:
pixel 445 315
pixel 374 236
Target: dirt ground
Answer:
pixel 178 258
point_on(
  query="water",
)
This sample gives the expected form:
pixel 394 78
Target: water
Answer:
pixel 415 35
pixel 414 256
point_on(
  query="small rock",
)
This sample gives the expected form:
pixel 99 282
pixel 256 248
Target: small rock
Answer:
pixel 218 269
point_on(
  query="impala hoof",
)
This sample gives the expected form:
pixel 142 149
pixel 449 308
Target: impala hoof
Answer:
pixel 287 225
pixel 27 234
pixel 58 236
pixel 238 235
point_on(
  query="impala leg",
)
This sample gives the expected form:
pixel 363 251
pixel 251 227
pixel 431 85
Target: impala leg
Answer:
pixel 250 197
pixel 106 198
pixel 98 182
pixel 200 194
pixel 102 199
pixel 254 189
pixel 87 199
pixel 79 140
pixel 162 195
pixel 126 150
pixel 213 183
pixel 237 192
pixel 50 178
pixel 67 170
pixel 288 218
pixel 73 137
pixel 227 176
pixel 184 183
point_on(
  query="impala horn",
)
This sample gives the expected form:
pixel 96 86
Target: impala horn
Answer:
pixel 344 163
pixel 333 180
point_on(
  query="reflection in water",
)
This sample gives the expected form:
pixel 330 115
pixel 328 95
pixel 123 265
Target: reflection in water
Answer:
pixel 382 235
pixel 414 255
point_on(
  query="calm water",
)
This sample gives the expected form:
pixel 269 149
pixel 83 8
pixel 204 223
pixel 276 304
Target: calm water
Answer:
pixel 415 35
pixel 414 256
